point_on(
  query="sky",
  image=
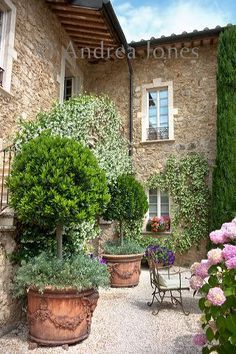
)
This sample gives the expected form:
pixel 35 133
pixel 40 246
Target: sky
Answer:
pixel 154 18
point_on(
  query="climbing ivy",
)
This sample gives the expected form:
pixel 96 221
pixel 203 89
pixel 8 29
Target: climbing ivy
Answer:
pixel 186 181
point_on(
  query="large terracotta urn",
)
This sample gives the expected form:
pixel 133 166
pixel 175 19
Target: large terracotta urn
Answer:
pixel 59 317
pixel 124 269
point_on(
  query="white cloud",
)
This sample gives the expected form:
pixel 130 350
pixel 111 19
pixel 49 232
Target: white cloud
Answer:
pixel 144 22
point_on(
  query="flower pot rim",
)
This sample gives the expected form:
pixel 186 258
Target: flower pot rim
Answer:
pixel 54 289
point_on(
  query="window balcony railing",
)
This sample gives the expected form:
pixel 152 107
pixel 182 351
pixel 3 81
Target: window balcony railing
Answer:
pixel 1 76
pixel 159 133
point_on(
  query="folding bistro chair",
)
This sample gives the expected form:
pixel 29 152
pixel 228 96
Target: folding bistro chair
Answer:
pixel 166 283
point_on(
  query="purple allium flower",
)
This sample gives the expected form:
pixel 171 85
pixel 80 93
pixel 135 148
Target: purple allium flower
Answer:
pixel 202 269
pixel 216 296
pixel 218 236
pixel 229 251
pixel 193 267
pixel 231 263
pixel 200 339
pixel 196 282
pixel 215 256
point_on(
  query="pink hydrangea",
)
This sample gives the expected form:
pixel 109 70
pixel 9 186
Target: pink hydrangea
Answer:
pixel 196 282
pixel 216 296
pixel 234 220
pixel 231 263
pixel 215 256
pixel 219 236
pixel 200 339
pixel 202 269
pixel 229 251
pixel 230 231
pixel 193 267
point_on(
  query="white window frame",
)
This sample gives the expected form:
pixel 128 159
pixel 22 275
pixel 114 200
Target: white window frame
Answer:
pixel 157 85
pixel 157 91
pixel 8 53
pixel 67 60
pixel 147 217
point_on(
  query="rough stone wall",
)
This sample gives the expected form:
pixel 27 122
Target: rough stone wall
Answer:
pixel 39 38
pixel 194 86
pixel 10 308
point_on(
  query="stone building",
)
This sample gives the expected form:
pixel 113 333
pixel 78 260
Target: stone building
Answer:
pixel 164 89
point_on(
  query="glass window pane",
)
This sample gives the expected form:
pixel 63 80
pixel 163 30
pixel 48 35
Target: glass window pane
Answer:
pixel 163 102
pixel 163 121
pixel 164 110
pixel 152 215
pixel 153 208
pixel 152 112
pixel 152 96
pixel 164 93
pixel 153 199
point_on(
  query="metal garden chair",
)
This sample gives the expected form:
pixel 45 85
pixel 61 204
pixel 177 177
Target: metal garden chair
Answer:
pixel 166 283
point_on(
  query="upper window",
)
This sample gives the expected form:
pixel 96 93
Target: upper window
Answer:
pixel 158 114
pixel 157 111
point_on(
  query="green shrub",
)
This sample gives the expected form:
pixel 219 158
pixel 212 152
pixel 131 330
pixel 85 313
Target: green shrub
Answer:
pixel 128 247
pixel 80 272
pixel 128 202
pixel 224 174
pixel 55 182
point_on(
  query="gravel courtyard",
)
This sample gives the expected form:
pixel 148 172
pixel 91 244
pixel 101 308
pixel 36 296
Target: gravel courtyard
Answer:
pixel 123 323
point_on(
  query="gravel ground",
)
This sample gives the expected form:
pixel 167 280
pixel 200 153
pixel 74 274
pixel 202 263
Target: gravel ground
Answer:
pixel 123 323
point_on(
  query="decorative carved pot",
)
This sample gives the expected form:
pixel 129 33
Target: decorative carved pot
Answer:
pixel 124 269
pixel 59 317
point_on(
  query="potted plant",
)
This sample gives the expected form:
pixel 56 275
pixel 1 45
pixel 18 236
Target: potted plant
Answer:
pixel 128 202
pixel 159 224
pixel 164 256
pixel 55 182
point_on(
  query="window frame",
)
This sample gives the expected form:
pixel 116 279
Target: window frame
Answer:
pixel 158 128
pixel 7 51
pixel 157 84
pixel 158 203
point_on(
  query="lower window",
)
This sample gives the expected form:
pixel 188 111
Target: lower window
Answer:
pixel 159 211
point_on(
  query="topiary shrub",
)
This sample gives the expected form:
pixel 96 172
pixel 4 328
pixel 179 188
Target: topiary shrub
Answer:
pixel 128 202
pixel 224 174
pixel 56 181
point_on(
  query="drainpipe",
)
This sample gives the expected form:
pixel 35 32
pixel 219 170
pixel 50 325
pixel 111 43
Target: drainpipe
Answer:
pixel 131 85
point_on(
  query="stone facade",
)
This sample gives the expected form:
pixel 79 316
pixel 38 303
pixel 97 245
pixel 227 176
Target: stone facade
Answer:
pixel 194 97
pixel 35 86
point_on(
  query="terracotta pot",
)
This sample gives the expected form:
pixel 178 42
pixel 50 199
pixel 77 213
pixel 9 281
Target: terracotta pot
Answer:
pixel 124 269
pixel 59 317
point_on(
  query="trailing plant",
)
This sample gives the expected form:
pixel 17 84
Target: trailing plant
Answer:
pixel 56 181
pixel 128 202
pixel 128 247
pixel 80 272
pixel 186 181
pixel 214 279
pixel 224 174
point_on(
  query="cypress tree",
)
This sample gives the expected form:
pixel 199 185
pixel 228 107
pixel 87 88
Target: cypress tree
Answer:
pixel 224 174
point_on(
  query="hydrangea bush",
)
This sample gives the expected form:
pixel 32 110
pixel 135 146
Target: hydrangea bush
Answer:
pixel 214 278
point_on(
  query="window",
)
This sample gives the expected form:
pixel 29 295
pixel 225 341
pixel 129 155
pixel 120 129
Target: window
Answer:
pixel 7 36
pixel 68 88
pixel 159 204
pixel 157 111
pixel 158 115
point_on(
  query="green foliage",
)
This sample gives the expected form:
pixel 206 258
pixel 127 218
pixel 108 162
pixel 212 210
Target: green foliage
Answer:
pixel 80 272
pixel 86 119
pixel 224 175
pixel 56 181
pixel 186 181
pixel 128 200
pixel 129 247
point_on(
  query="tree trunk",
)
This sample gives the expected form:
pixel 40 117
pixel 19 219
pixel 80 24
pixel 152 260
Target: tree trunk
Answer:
pixel 59 231
pixel 121 234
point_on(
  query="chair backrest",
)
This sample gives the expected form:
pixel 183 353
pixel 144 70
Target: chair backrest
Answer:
pixel 155 270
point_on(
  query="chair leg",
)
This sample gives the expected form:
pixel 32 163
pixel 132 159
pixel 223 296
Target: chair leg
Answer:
pixel 154 296
pixel 181 304
pixel 160 303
